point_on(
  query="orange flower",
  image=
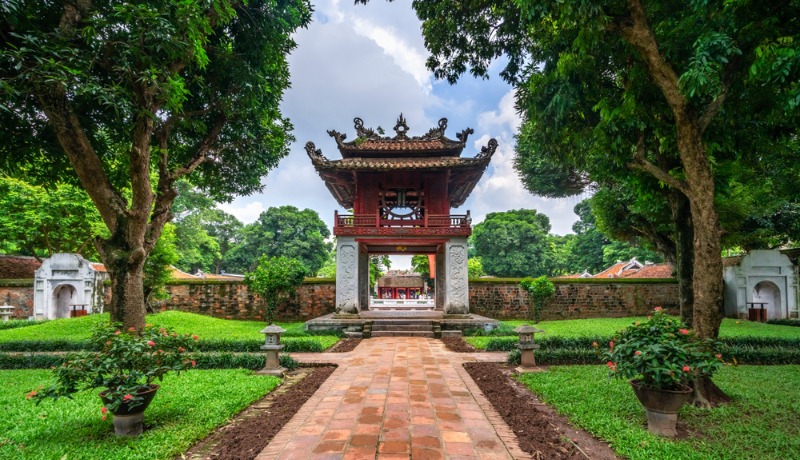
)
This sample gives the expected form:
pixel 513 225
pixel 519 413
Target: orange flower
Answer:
pixel 684 331
pixel 686 368
pixel 127 397
pixel 104 410
pixel 637 353
pixel 31 394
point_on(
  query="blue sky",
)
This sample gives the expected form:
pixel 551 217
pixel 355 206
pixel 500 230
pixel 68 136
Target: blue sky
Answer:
pixel 369 62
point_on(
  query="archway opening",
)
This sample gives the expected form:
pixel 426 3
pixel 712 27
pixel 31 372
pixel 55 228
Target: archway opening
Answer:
pixel 63 297
pixel 769 293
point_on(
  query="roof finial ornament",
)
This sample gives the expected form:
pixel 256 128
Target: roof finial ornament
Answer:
pixel 436 133
pixel 488 151
pixel 401 128
pixel 314 153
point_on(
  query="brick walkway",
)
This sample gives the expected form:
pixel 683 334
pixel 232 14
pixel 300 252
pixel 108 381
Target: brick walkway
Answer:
pixel 396 398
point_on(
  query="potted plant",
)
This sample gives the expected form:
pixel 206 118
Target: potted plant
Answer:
pixel 126 365
pixel 661 358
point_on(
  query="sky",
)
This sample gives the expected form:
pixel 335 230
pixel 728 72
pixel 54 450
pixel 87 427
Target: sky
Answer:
pixel 369 62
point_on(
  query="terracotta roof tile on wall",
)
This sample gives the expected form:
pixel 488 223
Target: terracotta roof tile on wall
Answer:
pixel 651 271
pixel 18 267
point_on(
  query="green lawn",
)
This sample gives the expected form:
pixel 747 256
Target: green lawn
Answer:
pixel 606 327
pixel 208 328
pixel 761 422
pixel 186 409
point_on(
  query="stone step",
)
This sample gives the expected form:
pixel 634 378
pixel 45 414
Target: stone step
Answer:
pixel 402 327
pixel 428 334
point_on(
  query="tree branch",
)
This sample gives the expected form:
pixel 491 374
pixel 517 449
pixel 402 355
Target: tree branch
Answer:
pixel 712 109
pixel 641 163
pixel 80 152
pixel 201 153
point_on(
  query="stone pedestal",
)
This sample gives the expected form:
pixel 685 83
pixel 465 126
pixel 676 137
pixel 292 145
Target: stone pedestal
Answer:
pixel 456 295
pixel 528 359
pixel 6 312
pixel 347 274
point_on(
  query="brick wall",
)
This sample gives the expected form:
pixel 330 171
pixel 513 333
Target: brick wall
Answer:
pixel 232 300
pixel 575 299
pixel 499 299
pixel 19 294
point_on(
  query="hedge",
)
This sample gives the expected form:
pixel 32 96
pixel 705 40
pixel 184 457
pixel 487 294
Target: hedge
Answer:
pixel 207 345
pixel 785 322
pixel 510 343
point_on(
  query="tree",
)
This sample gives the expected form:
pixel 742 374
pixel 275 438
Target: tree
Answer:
pixel 475 268
pixel 513 243
pixel 128 97
pixel 283 231
pixel 540 290
pixel 157 267
pixel 608 89
pixel 275 278
pixel 205 234
pixel 41 222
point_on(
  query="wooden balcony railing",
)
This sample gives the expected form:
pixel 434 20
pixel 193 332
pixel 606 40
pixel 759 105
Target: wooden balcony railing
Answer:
pixel 373 224
pixel 428 221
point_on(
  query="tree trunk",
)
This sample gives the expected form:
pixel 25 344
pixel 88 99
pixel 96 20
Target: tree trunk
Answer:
pixel 684 244
pixel 127 290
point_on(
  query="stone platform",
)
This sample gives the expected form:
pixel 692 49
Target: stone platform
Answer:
pixel 417 319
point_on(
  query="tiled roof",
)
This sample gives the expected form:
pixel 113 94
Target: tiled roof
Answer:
pixel 18 267
pixel 652 271
pixel 385 164
pixel 182 275
pixel 98 267
pixel 636 269
pixel 613 271
pixel 389 145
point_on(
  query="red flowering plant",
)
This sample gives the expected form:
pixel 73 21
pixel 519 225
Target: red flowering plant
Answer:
pixel 660 353
pixel 124 363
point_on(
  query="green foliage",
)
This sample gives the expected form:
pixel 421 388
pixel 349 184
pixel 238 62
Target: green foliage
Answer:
pixel 275 278
pixel 540 291
pixel 125 98
pixel 126 364
pixel 284 231
pixel 660 353
pixel 475 268
pixel 157 267
pixel 744 428
pixel 41 222
pixel 513 243
pixel 205 234
pixel 74 428
pixel 288 362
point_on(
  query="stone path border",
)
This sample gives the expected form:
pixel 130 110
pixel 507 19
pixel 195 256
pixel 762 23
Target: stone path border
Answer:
pixel 396 398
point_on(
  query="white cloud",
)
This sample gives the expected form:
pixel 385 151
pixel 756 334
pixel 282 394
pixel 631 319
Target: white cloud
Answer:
pixel 245 212
pixel 409 59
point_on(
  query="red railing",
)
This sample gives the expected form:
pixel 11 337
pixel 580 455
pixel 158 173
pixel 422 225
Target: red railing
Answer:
pixel 428 221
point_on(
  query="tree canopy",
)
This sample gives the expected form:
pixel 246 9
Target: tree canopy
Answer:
pixel 612 89
pixel 513 243
pixel 40 222
pixel 282 231
pixel 125 98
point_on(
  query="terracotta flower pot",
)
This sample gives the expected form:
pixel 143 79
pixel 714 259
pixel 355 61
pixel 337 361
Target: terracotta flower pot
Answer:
pixel 128 421
pixel 662 407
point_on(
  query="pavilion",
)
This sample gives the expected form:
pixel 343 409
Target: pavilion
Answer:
pixel 401 191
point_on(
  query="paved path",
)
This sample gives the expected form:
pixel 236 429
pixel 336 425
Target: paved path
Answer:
pixel 396 398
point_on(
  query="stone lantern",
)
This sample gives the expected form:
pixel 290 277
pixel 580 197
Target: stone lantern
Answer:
pixel 272 345
pixel 526 345
pixel 6 311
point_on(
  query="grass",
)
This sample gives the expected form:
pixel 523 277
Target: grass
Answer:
pixel 759 423
pixel 186 409
pixel 79 329
pixel 606 327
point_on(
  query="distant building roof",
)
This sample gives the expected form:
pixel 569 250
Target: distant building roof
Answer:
pixel 182 275
pixel 635 269
pixel 18 267
pixel 401 278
